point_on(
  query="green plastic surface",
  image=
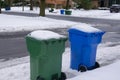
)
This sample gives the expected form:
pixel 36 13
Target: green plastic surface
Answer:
pixel 68 12
pixel 45 57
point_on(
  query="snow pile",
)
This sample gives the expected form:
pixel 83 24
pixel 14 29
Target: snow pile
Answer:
pixel 45 35
pixel 110 72
pixel 108 54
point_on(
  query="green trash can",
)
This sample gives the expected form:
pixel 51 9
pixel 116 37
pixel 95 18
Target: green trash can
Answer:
pixel 68 12
pixel 45 48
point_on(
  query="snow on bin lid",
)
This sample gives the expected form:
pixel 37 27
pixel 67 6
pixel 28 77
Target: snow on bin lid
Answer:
pixel 86 28
pixel 45 35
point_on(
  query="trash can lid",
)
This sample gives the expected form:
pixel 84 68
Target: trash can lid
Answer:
pixel 45 35
pixel 86 30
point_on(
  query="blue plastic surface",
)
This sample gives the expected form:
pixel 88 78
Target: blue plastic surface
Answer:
pixel 62 11
pixel 7 8
pixel 83 48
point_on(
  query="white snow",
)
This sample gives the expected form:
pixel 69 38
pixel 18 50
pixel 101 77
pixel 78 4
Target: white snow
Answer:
pixel 108 54
pixel 35 23
pixel 103 14
pixel 9 23
pixel 110 72
pixel 86 28
pixel 45 35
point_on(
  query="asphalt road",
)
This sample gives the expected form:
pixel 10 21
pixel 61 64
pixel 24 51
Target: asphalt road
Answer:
pixel 12 48
pixel 13 45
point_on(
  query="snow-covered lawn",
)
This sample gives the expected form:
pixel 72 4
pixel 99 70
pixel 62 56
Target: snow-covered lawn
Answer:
pixel 104 14
pixel 108 57
pixel 9 23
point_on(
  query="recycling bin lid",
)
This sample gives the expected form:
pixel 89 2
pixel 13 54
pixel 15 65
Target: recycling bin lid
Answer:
pixel 86 30
pixel 44 35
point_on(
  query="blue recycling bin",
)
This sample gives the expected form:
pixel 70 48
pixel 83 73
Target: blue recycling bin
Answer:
pixel 7 8
pixel 62 11
pixel 83 48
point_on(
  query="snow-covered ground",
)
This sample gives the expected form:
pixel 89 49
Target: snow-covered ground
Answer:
pixel 108 54
pixel 9 23
pixel 104 14
pixel 108 57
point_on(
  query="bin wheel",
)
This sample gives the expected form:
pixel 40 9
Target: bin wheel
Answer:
pixel 40 78
pixel 63 76
pixel 82 68
pixel 97 65
pixel 55 76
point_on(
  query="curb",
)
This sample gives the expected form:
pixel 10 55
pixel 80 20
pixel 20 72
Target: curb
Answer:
pixel 13 34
